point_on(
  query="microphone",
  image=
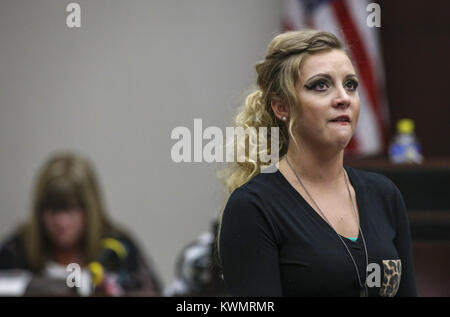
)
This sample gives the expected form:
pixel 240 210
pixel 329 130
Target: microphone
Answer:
pixel 111 258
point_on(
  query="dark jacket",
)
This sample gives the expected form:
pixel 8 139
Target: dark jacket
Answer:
pixel 137 276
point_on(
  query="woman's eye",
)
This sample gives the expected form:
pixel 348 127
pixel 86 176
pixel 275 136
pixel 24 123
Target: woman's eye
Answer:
pixel 351 85
pixel 319 85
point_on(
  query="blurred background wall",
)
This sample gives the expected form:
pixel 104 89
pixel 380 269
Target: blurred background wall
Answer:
pixel 116 87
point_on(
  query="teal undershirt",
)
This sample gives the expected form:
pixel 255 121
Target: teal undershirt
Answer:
pixel 353 239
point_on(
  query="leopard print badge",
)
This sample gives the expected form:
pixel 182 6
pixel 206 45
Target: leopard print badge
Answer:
pixel 392 276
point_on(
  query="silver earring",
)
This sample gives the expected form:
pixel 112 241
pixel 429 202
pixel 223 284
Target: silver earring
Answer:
pixel 283 118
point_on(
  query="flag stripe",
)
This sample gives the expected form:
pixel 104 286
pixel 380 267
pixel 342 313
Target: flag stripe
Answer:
pixel 361 58
pixel 371 41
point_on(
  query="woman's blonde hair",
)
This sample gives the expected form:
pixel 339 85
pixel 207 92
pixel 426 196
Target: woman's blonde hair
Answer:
pixel 278 75
pixel 66 180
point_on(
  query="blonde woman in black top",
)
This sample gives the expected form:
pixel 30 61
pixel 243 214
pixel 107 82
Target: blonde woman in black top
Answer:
pixel 314 227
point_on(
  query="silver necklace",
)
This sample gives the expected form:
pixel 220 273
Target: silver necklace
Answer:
pixel 363 292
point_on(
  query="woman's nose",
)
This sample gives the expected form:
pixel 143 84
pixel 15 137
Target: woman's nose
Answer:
pixel 62 218
pixel 342 99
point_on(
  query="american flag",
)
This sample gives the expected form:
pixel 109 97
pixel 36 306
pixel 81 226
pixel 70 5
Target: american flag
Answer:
pixel 347 19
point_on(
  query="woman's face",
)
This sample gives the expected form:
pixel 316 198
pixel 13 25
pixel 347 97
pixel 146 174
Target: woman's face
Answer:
pixel 327 90
pixel 64 227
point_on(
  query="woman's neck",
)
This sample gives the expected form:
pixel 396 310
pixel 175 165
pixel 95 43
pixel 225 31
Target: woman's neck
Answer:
pixel 316 167
pixel 66 256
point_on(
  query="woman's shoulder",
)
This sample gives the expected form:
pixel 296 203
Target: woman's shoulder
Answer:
pixel 11 241
pixel 242 195
pixel 12 252
pixel 372 182
pixel 123 235
pixel 261 185
pixel 254 196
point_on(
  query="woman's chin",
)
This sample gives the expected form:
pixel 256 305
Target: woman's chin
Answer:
pixel 335 141
pixel 65 243
pixel 341 142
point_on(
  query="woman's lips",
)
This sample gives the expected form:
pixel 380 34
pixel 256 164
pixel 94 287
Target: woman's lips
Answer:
pixel 340 122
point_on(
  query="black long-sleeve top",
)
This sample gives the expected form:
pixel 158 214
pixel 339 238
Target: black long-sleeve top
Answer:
pixel 273 243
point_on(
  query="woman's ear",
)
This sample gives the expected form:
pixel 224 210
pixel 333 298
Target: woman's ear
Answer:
pixel 280 110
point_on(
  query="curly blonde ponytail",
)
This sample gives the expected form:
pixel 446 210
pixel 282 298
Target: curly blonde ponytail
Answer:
pixel 253 115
